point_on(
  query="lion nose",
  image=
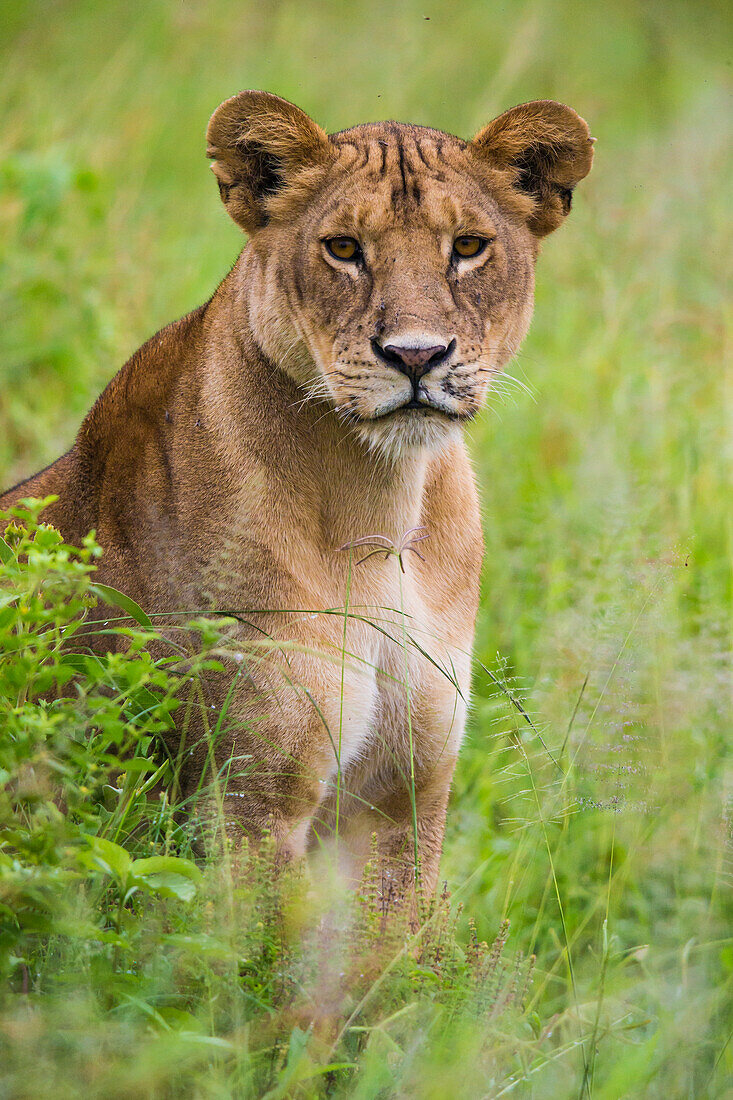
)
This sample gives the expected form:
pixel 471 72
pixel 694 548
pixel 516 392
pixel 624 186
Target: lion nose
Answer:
pixel 413 361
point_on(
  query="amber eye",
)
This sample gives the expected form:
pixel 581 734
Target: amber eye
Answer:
pixel 343 248
pixel 466 247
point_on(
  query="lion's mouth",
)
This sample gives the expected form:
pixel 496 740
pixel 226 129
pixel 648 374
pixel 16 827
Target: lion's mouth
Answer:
pixel 414 405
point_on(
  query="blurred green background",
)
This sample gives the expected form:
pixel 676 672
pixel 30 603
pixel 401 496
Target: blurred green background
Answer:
pixel 607 584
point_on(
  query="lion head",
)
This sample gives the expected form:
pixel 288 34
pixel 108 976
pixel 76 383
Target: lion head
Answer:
pixel 390 269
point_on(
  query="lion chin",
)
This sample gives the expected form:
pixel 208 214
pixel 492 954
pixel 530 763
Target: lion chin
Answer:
pixel 407 430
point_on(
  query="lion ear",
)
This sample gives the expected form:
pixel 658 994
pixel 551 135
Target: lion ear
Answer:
pixel 547 148
pixel 260 145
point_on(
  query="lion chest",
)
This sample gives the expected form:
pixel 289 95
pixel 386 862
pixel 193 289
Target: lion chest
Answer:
pixel 397 680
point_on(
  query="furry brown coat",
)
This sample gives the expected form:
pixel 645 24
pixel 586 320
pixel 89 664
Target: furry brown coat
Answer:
pixel 313 402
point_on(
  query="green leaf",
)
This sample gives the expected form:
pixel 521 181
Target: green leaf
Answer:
pixel 199 944
pixel 168 885
pixel 143 701
pixel 79 662
pixel 108 857
pixel 137 765
pixel 125 603
pixel 169 876
pixel 6 554
pixel 155 864
pixel 46 537
pixel 177 1019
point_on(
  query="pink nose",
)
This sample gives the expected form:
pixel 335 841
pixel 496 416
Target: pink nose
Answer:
pixel 415 357
pixel 414 362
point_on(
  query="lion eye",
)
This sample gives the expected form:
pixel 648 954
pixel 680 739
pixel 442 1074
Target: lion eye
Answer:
pixel 343 248
pixel 465 247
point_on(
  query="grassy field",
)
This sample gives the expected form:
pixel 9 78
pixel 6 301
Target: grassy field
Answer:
pixel 605 483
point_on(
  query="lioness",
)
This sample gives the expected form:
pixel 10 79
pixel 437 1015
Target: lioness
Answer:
pixel 253 455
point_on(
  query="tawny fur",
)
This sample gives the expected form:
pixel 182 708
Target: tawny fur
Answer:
pixel 237 453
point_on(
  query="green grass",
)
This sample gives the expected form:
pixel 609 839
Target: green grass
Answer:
pixel 607 584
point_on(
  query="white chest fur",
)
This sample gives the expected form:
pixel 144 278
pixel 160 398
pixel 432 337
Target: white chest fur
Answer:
pixel 397 685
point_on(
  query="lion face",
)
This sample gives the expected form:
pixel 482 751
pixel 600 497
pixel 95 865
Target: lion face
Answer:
pixel 394 265
pixel 406 282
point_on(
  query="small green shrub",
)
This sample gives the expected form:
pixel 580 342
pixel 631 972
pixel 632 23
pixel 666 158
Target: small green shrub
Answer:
pixel 80 748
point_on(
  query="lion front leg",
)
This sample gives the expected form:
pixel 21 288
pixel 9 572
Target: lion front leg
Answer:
pixel 408 844
pixel 261 781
